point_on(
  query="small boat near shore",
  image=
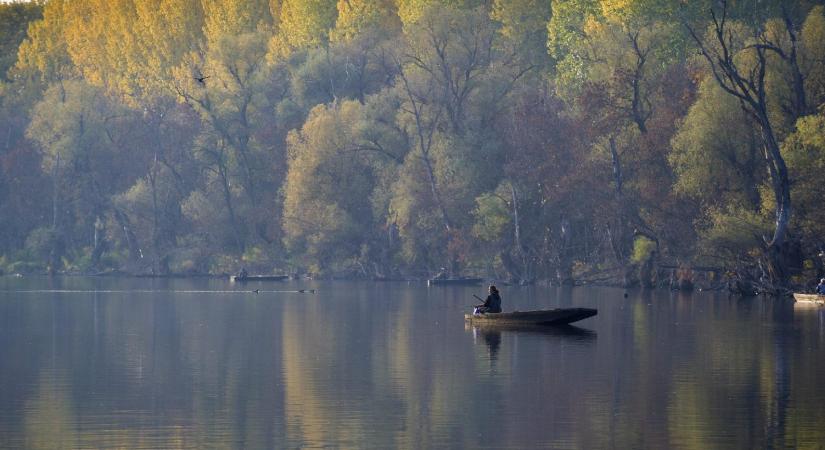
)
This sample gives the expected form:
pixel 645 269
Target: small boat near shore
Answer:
pixel 561 316
pixel 239 279
pixel 809 299
pixel 454 281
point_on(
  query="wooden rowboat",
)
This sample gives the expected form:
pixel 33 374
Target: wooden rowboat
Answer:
pixel 454 281
pixel 809 299
pixel 560 316
pixel 237 279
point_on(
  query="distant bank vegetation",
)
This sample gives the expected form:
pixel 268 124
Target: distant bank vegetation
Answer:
pixel 600 140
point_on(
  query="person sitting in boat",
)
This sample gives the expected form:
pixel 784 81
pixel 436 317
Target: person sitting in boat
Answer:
pixel 243 273
pixel 820 288
pixel 441 275
pixel 492 304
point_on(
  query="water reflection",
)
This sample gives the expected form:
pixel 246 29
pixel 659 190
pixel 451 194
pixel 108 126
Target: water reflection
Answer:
pixel 570 332
pixel 490 337
pixel 392 365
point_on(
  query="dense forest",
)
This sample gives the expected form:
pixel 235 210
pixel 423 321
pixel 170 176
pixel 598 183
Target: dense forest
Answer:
pixel 625 141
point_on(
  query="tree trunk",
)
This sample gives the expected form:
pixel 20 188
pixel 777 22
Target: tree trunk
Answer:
pixel 227 197
pixel 619 234
pixel 564 270
pixel 780 183
pixel 99 243
pixel 749 87
pixel 57 238
pixel 135 254
pixel 155 219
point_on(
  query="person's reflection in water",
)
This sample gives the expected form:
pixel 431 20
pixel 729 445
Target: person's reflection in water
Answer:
pixel 492 338
pixel 493 341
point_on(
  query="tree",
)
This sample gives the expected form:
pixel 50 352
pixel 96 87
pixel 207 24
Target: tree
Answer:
pixel 85 139
pixel 351 69
pixel 14 21
pixel 804 151
pixel 302 24
pixel 166 135
pixel 740 68
pixel 524 25
pixel 615 69
pixel 43 55
pixel 232 89
pixel 356 17
pixel 340 163
pixel 717 153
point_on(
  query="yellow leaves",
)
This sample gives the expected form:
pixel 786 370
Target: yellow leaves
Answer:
pixel 521 17
pixel 813 31
pixel 411 10
pixel 130 47
pixel 328 186
pixel 127 47
pixel 812 56
pixel 303 24
pixel 716 149
pixel 168 28
pixel 235 16
pixel 804 153
pixel 44 53
pixel 737 229
pixel 323 136
pixel 615 10
pixel 91 29
pixel 593 26
pixel 236 60
pixel 356 16
pixel 492 216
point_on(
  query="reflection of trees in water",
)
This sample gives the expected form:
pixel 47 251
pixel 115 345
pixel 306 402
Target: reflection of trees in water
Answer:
pixel 125 360
pixel 667 372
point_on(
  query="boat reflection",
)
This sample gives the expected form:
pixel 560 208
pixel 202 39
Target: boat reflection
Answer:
pixel 491 335
pixel 562 331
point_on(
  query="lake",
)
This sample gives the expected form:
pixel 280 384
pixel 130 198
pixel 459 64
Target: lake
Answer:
pixel 141 363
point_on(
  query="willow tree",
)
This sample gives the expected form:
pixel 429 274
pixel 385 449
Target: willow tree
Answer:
pixel 614 68
pixel 86 142
pixel 232 88
pixel 804 151
pixel 341 164
pixel 454 82
pixel 742 62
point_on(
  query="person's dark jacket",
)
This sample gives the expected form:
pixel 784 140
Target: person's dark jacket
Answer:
pixel 493 303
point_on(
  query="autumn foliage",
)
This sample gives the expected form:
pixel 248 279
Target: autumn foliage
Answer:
pixel 523 140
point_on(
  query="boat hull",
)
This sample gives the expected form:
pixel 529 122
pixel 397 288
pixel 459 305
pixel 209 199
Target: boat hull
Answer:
pixel 454 281
pixel 560 316
pixel 809 299
pixel 236 279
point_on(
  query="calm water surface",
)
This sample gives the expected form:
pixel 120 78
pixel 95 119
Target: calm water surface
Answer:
pixel 105 363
